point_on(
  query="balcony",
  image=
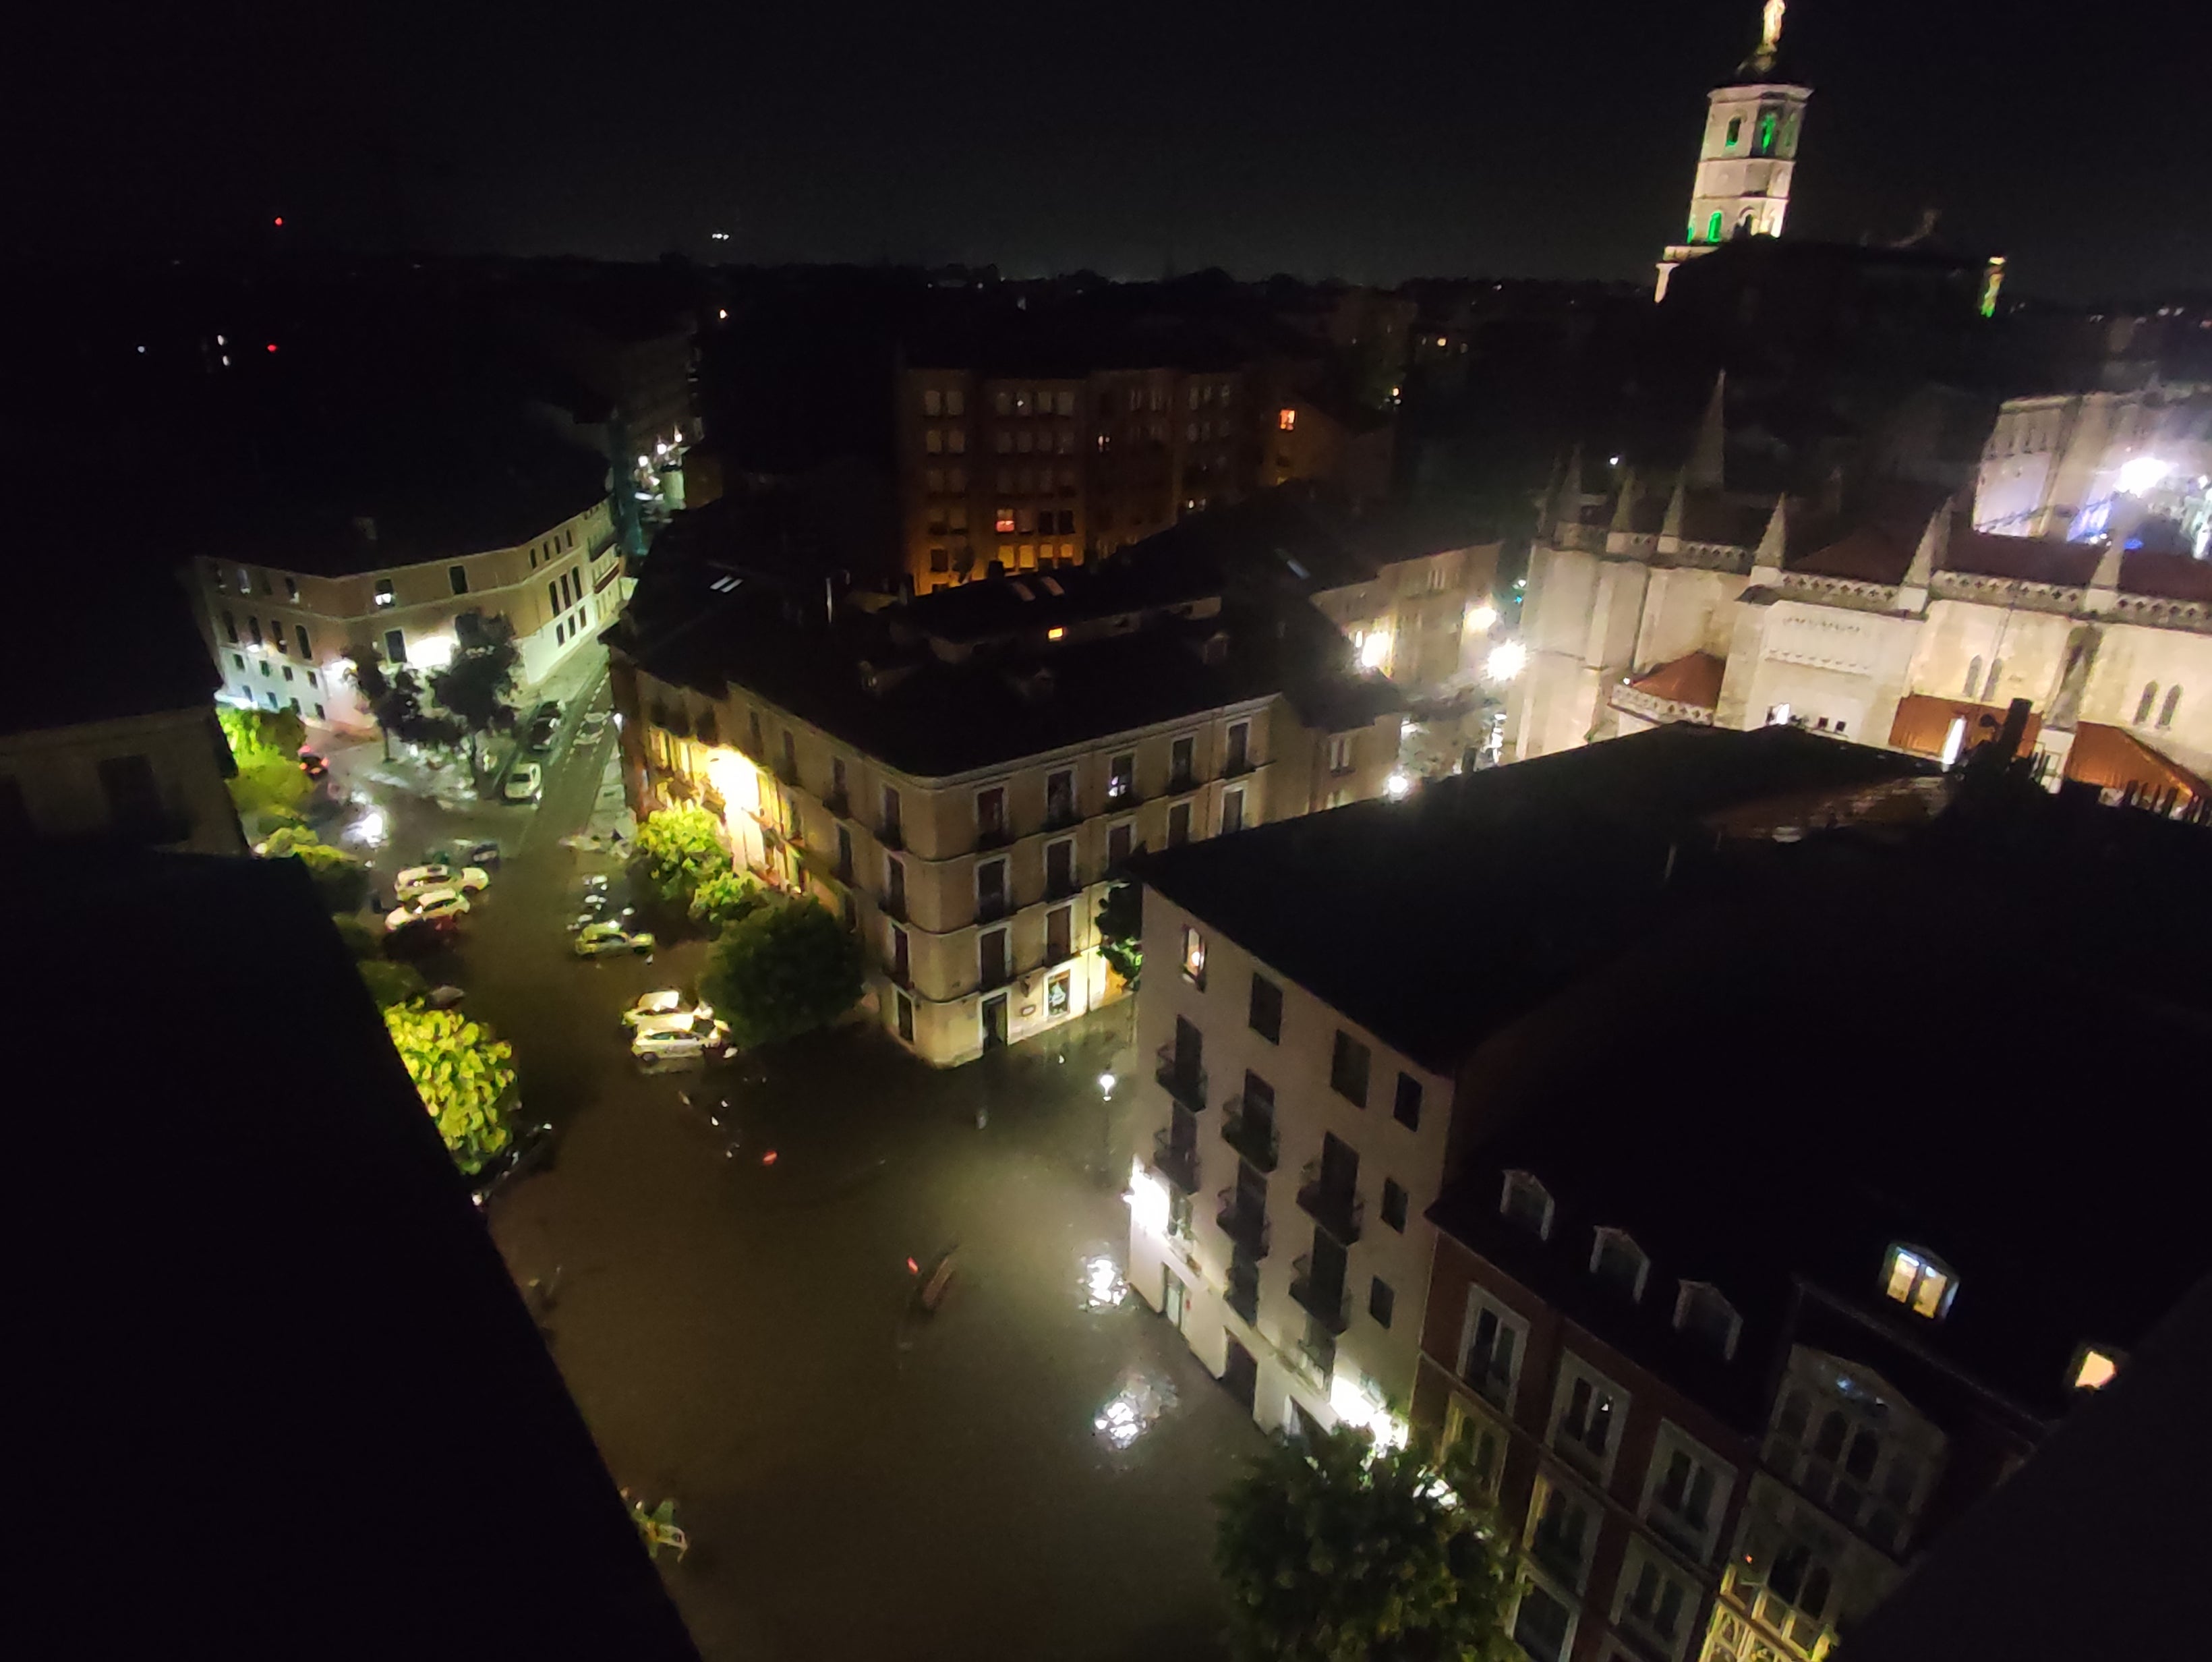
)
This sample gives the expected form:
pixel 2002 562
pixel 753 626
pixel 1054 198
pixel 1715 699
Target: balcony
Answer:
pixel 788 772
pixel 1340 1211
pixel 1181 781
pixel 990 908
pixel 1185 1084
pixel 893 906
pixel 1061 816
pixel 1062 887
pixel 837 804
pixel 1318 1348
pixel 1252 1136
pixel 1176 1162
pixel 1236 767
pixel 1244 1297
pixel 1245 1225
pixel 992 976
pixel 995 836
pixel 891 835
pixel 1330 1305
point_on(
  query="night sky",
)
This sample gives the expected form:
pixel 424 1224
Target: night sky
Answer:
pixel 1371 140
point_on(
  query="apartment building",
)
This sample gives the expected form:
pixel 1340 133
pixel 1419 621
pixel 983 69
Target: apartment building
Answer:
pixel 1730 1358
pixel 282 622
pixel 959 778
pixel 131 757
pixel 1327 1005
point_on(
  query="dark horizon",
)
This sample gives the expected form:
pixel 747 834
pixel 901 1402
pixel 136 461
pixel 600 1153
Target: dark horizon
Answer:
pixel 1375 145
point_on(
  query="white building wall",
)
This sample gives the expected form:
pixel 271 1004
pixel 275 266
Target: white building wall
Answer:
pixel 1375 1364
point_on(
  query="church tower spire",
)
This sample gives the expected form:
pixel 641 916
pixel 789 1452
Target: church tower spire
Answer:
pixel 1749 152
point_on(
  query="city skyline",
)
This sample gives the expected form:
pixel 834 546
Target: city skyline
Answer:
pixel 1556 144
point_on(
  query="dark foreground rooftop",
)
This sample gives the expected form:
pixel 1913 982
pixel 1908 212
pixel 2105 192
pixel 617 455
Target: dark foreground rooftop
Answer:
pixel 276 1395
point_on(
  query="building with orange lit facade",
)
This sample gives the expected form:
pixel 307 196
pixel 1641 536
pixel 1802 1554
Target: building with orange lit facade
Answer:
pixel 960 777
pixel 1037 470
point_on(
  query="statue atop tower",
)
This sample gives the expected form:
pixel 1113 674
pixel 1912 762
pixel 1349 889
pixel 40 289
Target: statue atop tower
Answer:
pixel 1749 152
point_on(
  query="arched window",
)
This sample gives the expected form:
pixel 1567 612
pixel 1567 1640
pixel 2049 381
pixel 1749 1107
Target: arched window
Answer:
pixel 1748 223
pixel 1713 225
pixel 1830 1443
pixel 1974 678
pixel 1734 131
pixel 2166 710
pixel 2142 704
pixel 1766 134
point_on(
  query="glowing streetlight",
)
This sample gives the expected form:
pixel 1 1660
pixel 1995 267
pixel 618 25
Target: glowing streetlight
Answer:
pixel 1397 785
pixel 1507 659
pixel 1482 618
pixel 2139 474
pixel 1106 1083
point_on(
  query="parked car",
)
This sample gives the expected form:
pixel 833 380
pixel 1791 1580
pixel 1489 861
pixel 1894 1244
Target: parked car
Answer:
pixel 679 1044
pixel 467 879
pixel 443 998
pixel 485 852
pixel 421 938
pixel 523 782
pixel 543 732
pixel 530 1150
pixel 425 905
pixel 598 939
pixel 656 1013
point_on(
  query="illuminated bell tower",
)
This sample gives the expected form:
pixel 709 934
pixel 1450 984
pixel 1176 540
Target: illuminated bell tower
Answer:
pixel 1750 149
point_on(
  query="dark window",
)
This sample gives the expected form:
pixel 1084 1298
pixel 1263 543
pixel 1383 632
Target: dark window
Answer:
pixel 1347 1070
pixel 1178 825
pixel 1232 813
pixel 790 758
pixel 1406 1108
pixel 307 650
pixel 1240 736
pixel 395 646
pixel 134 800
pixel 457 575
pixel 1058 935
pixel 230 628
pixel 991 813
pixel 891 809
pixel 1179 764
pixel 1380 1299
pixel 253 628
pixel 1117 844
pixel 906 1018
pixel 1266 1016
pixel 837 781
pixel 1394 1205
pixel 553 597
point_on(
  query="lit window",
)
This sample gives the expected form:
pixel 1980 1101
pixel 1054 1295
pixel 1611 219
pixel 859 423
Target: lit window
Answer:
pixel 1286 419
pixel 2093 1368
pixel 1056 633
pixel 1005 521
pixel 384 591
pixel 1919 1282
pixel 1713 226
pixel 1526 1203
pixel 1193 956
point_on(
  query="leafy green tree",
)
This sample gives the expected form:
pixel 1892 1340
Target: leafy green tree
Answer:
pixel 340 880
pixel 474 688
pixel 463 1073
pixel 268 787
pixel 394 700
pixel 1334 1550
pixel 390 983
pixel 724 897
pixel 676 850
pixel 1121 930
pixel 784 968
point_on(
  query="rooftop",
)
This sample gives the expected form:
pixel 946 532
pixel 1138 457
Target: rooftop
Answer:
pixel 1435 920
pixel 286 1384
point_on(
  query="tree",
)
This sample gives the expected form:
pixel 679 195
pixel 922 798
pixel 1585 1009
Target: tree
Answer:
pixel 724 897
pixel 340 880
pixel 390 983
pixel 783 970
pixel 473 687
pixel 677 850
pixel 1121 931
pixel 269 787
pixel 1335 1550
pixel 463 1073
pixel 394 701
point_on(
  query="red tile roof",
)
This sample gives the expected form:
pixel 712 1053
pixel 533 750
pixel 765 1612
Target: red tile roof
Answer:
pixel 1865 553
pixel 2166 576
pixel 1923 723
pixel 2022 559
pixel 1694 679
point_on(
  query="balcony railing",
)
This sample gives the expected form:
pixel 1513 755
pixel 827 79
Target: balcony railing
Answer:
pixel 891 835
pixel 989 907
pixel 1059 816
pixel 1244 1224
pixel 1319 1349
pixel 1062 887
pixel 1186 1083
pixel 893 906
pixel 1252 1135
pixel 995 836
pixel 836 803
pixel 1123 796
pixel 1176 1162
pixel 992 976
pixel 1236 767
pixel 1329 1304
pixel 1182 780
pixel 1340 1211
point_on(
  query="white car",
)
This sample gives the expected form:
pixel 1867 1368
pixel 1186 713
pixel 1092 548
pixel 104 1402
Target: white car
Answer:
pixel 523 782
pixel 672 1021
pixel 598 940
pixel 425 905
pixel 658 1005
pixel 467 879
pixel 680 1045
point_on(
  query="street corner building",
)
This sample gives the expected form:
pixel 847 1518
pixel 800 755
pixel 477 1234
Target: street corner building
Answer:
pixel 962 777
pixel 1725 1137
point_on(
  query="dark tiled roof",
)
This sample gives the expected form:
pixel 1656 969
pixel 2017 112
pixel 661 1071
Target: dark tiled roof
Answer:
pixel 1433 920
pixel 2022 559
pixel 284 1378
pixel 2166 576
pixel 1860 1047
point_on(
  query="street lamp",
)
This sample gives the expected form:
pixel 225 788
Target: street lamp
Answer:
pixel 1106 1085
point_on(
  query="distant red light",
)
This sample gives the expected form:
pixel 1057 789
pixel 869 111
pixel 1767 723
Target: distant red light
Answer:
pixel 769 1159
pixel 271 347
pixel 280 219
pixel 912 1268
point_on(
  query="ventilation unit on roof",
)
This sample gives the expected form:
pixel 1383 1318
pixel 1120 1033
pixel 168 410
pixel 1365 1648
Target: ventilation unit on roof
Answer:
pixel 1052 587
pixel 1024 590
